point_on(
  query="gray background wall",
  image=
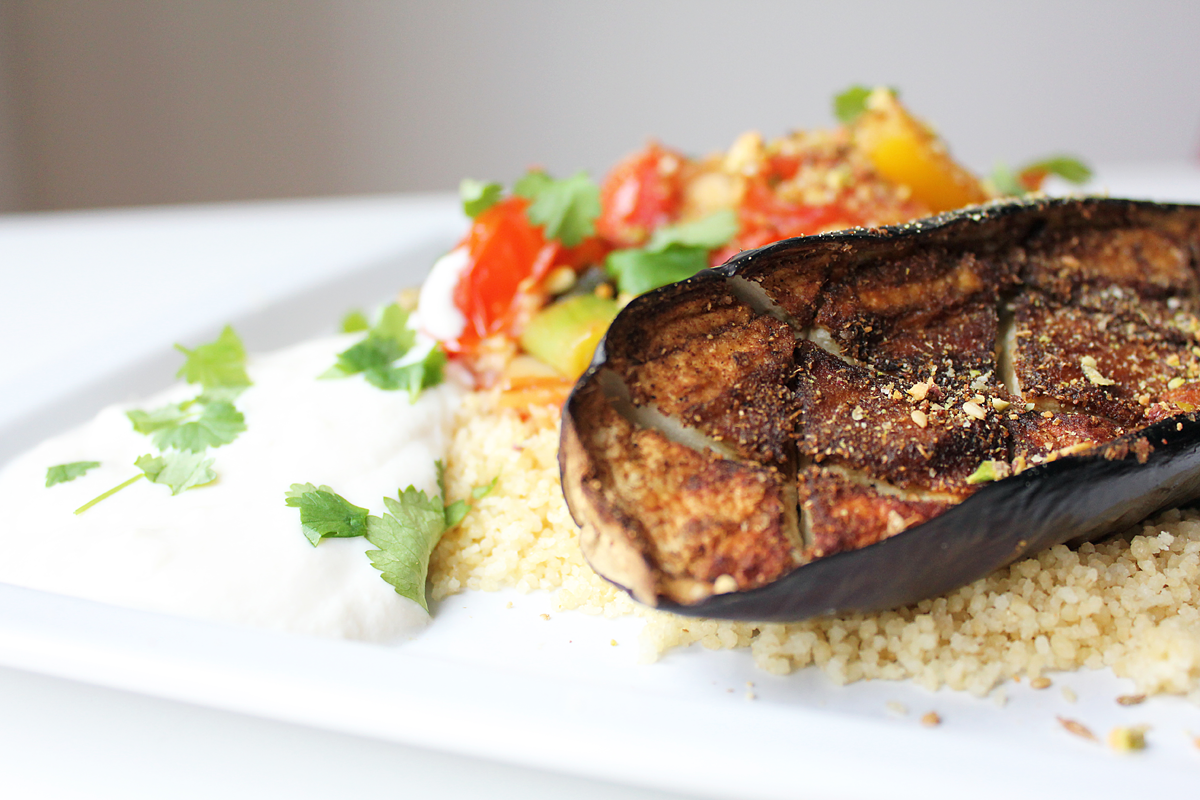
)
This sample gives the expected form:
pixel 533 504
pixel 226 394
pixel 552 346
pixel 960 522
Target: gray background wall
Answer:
pixel 118 102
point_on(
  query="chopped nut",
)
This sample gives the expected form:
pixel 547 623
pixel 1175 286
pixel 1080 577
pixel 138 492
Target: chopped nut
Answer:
pixel 724 584
pixel 1088 364
pixel 1131 699
pixel 1126 740
pixel 1000 405
pixel 918 391
pixel 560 280
pixel 931 720
pixel 1039 683
pixel 857 414
pixel 1175 383
pixel 1076 728
pixel 919 417
pixel 973 409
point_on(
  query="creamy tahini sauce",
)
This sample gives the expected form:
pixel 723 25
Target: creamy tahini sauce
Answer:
pixel 232 551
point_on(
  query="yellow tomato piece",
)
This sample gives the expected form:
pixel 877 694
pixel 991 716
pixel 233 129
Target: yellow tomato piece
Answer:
pixel 906 152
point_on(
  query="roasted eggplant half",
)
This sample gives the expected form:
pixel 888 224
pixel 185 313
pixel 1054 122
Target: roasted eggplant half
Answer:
pixel 859 420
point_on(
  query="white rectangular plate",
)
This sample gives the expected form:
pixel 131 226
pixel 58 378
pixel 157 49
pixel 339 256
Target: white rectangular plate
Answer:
pixel 486 679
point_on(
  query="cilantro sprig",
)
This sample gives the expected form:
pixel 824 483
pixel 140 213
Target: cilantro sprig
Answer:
pixel 183 432
pixel 674 252
pixel 375 357
pixel 404 536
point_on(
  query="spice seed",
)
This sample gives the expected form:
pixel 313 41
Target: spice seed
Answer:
pixel 1077 728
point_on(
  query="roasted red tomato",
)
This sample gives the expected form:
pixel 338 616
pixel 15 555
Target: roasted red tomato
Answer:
pixel 765 218
pixel 509 255
pixel 643 192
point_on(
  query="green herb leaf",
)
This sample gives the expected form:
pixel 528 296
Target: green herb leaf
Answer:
pixel 406 537
pixel 1066 167
pixel 567 209
pixel 1006 181
pixel 354 322
pixel 709 232
pixel 192 425
pixel 61 473
pixel 456 512
pixel 850 104
pixel 639 271
pixel 180 471
pixel 478 196
pixel 413 378
pixel 480 492
pixel 217 364
pixel 388 341
pixel 532 183
pixel 324 513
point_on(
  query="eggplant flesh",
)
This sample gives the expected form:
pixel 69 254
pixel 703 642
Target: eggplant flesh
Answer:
pixel 859 420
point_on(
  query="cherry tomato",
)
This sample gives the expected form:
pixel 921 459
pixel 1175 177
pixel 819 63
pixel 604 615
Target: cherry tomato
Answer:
pixel 643 192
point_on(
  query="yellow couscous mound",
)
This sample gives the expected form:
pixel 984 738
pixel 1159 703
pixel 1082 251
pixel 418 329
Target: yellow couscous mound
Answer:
pixel 1131 603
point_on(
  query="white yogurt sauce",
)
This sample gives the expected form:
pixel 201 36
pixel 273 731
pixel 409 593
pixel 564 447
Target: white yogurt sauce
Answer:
pixel 437 314
pixel 232 551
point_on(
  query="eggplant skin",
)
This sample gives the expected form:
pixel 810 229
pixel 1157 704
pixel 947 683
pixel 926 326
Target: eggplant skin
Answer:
pixel 870 390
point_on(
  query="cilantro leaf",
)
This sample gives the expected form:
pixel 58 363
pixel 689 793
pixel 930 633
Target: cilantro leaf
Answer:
pixel 212 424
pixel 217 364
pixel 148 422
pixel 355 321
pixel 639 271
pixel 1066 167
pixel 61 473
pixel 324 513
pixel 1006 181
pixel 180 471
pixel 386 342
pixel 567 209
pixel 850 104
pixel 406 537
pixel 414 377
pixel 709 232
pixel 478 196
pixel 219 423
pixel 532 183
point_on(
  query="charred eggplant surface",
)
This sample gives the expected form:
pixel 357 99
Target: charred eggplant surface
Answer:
pixel 859 420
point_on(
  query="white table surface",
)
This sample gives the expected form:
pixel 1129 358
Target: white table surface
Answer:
pixel 80 292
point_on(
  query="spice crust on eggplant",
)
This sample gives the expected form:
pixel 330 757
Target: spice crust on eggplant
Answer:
pixel 858 420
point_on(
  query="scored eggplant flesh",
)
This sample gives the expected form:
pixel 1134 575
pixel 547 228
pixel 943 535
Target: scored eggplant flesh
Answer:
pixel 859 420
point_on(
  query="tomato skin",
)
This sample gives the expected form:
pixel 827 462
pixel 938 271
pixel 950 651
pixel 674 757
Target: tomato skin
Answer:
pixel 643 192
pixel 509 255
